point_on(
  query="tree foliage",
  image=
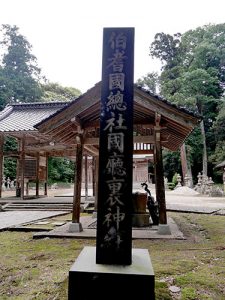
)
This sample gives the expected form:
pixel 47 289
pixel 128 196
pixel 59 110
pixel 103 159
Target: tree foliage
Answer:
pixel 171 163
pixel 10 144
pixel 20 81
pixel 60 169
pixel 19 73
pixel 56 92
pixel 166 48
pixel 193 76
pixel 150 82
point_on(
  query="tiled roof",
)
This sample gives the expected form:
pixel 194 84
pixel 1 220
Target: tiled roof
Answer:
pixel 23 117
pixel 138 87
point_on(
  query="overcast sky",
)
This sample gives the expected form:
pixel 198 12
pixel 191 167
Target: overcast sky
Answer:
pixel 67 35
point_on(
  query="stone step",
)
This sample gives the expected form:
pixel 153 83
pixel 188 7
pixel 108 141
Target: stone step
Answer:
pixel 44 206
pixel 38 208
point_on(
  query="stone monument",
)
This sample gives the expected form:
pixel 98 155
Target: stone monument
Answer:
pixel 113 270
pixel 114 229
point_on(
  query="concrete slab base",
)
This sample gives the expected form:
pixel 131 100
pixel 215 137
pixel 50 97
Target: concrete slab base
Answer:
pixel 164 229
pixel 88 280
pixel 75 227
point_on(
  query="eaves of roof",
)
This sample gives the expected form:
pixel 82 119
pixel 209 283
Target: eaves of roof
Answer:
pixel 66 107
pixel 180 108
pixel 157 97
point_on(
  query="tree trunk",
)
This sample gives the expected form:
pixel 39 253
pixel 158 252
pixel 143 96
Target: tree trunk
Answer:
pixel 204 154
pixel 185 164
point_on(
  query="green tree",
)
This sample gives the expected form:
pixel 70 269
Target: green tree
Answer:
pixel 56 92
pixel 20 81
pixel 166 48
pixel 171 163
pixel 193 74
pixel 149 81
pixel 60 169
pixel 219 131
pixel 10 144
pixel 219 123
pixel 19 73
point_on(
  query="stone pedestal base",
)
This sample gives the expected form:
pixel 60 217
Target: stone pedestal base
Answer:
pixel 75 227
pixel 94 215
pixel 88 280
pixel 140 220
pixel 164 229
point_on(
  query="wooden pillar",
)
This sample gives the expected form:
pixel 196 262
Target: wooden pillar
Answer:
pixel 96 182
pixel 159 174
pixel 78 181
pixel 22 166
pixel 27 188
pixel 135 171
pixel 18 169
pixel 46 177
pixel 1 162
pixel 93 175
pixel 86 176
pixel 37 173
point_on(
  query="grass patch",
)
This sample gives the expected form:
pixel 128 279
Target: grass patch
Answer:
pixel 189 293
pixel 197 264
pixel 161 291
pixel 38 269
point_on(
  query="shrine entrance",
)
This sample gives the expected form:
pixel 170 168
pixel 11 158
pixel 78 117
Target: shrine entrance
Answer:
pixel 72 130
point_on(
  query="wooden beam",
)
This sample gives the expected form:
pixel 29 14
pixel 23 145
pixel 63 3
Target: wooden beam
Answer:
pixel 148 139
pixel 147 125
pixel 143 152
pixel 91 124
pixel 55 132
pixel 67 137
pixel 91 141
pixel 11 153
pixel 61 153
pixel 76 120
pixel 92 150
pixel 64 133
pixel 144 139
